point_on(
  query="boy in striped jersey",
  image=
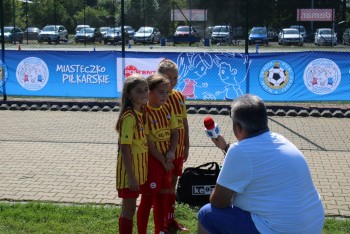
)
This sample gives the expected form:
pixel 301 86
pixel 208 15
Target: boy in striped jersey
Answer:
pixel 161 126
pixel 177 102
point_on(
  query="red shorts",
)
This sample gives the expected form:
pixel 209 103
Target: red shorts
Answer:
pixel 157 177
pixel 127 193
pixel 178 166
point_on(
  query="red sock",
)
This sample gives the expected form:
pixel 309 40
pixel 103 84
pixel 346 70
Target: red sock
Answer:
pixel 143 213
pixel 159 217
pixel 125 225
pixel 171 205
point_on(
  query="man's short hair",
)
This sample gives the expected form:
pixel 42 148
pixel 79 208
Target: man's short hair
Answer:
pixel 250 112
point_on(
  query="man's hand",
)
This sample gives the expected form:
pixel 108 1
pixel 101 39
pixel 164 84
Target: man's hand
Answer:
pixel 220 142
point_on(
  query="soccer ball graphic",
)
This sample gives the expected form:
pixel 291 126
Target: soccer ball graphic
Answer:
pixel 276 76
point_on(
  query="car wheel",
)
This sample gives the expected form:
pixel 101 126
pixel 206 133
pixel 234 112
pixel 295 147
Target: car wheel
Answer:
pixel 57 40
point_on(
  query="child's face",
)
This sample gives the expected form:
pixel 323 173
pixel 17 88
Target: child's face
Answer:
pixel 139 95
pixel 172 76
pixel 159 95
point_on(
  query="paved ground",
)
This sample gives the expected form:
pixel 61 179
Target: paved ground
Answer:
pixel 70 157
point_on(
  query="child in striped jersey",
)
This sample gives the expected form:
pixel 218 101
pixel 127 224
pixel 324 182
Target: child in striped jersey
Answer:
pixel 162 137
pixel 132 158
pixel 177 102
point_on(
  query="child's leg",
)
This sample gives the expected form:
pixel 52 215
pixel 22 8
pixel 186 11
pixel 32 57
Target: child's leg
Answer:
pixel 171 199
pixel 143 213
pixel 159 211
pixel 127 215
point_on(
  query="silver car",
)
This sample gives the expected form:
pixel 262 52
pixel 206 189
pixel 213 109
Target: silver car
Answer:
pixel 325 36
pixel 53 33
pixel 290 36
pixel 147 35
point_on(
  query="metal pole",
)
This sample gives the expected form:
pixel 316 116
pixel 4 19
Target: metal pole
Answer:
pixel 122 27
pixel 246 44
pixel 27 20
pixel 84 21
pixel 14 21
pixel 2 46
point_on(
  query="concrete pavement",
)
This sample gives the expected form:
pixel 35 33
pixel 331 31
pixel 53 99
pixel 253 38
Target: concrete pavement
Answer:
pixel 70 156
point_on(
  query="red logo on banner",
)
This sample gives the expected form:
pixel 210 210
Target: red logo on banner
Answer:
pixel 131 69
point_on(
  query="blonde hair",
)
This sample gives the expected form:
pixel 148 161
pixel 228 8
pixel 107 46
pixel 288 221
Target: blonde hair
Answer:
pixel 167 65
pixel 126 104
pixel 155 80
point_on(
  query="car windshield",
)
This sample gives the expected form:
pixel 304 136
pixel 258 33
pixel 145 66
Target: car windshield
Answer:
pixel 32 30
pixel 291 31
pixel 325 31
pixel 145 30
pixel 258 31
pixel 87 30
pixel 7 29
pixel 301 28
pixel 114 30
pixel 50 28
pixel 221 29
pixel 183 29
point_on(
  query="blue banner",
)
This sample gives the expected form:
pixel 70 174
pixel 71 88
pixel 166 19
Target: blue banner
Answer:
pixel 294 76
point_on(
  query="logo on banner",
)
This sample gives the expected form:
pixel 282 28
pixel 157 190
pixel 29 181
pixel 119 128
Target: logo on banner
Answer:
pixel 3 73
pixel 32 73
pixel 322 76
pixel 131 69
pixel 276 77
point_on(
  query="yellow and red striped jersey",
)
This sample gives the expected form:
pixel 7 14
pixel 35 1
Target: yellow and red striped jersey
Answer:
pixel 177 102
pixel 160 121
pixel 132 132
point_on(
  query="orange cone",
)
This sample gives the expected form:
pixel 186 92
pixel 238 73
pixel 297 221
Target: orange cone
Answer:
pixel 19 47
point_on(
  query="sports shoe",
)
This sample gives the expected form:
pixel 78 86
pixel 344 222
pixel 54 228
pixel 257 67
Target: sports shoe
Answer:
pixel 175 225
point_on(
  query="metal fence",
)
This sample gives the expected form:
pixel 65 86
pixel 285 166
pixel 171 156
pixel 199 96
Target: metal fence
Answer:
pixel 238 21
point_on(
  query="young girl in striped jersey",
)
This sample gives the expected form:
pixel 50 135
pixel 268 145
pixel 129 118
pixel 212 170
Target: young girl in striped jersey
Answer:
pixel 162 131
pixel 177 101
pixel 132 158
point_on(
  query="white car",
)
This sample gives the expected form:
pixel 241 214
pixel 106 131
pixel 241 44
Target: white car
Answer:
pixel 147 35
pixel 290 36
pixel 325 36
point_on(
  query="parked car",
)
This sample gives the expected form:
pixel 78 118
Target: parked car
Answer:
pixel 147 35
pixel 325 36
pixel 12 34
pixel 258 35
pixel 81 26
pixel 53 33
pixel 129 30
pixel 88 35
pixel 301 29
pixel 114 36
pixel 290 36
pixel 346 37
pixel 182 32
pixel 104 30
pixel 222 33
pixel 31 33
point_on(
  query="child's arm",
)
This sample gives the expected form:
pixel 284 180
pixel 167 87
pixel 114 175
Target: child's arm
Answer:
pixel 187 140
pixel 174 138
pixel 126 154
pixel 157 154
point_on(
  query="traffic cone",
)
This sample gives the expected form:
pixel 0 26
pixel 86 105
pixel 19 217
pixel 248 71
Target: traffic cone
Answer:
pixel 19 47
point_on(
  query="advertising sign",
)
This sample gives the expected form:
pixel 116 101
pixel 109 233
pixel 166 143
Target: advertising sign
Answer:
pixel 315 14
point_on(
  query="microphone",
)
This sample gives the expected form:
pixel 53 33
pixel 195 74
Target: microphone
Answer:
pixel 211 129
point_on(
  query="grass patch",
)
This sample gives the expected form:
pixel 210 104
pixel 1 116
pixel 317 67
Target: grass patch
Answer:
pixel 34 217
